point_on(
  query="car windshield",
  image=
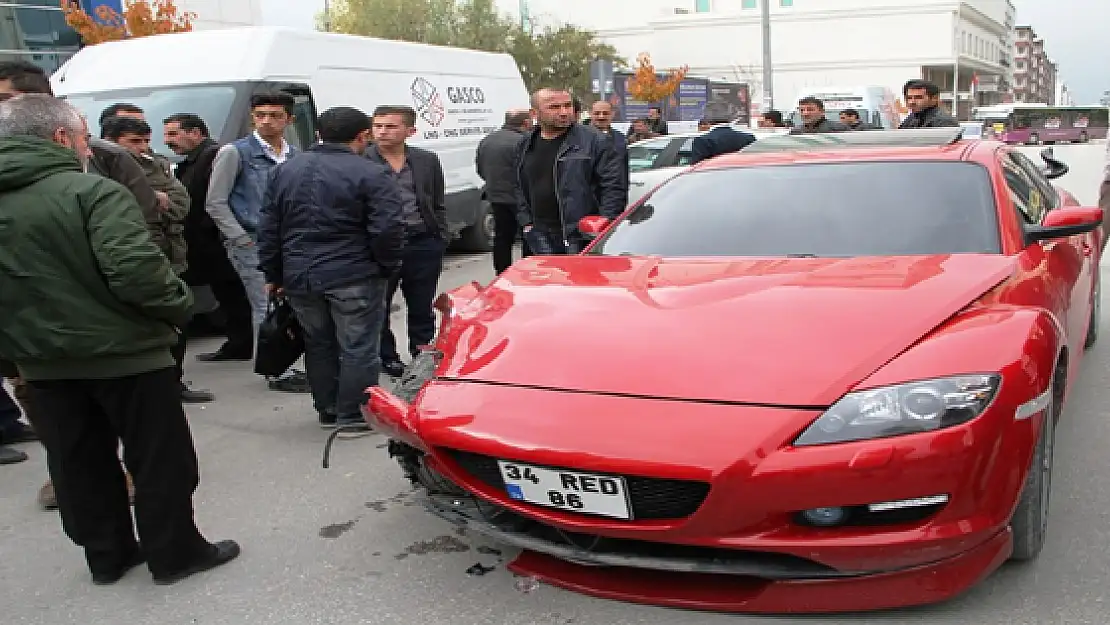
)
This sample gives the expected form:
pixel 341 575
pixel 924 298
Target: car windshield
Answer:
pixel 827 209
pixel 212 103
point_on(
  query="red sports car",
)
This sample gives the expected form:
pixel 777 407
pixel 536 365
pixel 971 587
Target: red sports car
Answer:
pixel 819 375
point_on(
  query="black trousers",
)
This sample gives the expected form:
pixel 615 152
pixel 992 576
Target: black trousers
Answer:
pixel 421 264
pixel 178 353
pixel 238 320
pixel 505 231
pixel 81 424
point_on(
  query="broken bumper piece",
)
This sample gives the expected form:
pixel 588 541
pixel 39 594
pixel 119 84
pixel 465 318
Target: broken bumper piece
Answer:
pixel 712 579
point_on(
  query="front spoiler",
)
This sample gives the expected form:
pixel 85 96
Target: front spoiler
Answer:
pixel 465 513
pixel 730 586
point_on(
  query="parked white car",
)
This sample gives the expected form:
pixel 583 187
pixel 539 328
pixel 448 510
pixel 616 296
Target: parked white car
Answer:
pixel 652 162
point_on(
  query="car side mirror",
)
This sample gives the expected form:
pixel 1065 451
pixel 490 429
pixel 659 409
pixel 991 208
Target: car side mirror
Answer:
pixel 1065 222
pixel 592 225
pixel 1053 168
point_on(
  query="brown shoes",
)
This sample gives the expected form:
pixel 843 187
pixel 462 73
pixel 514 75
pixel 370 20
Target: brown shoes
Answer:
pixel 49 501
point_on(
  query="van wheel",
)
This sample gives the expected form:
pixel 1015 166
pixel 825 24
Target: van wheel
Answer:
pixel 1030 520
pixel 479 237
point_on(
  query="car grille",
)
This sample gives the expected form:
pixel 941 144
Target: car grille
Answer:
pixel 651 498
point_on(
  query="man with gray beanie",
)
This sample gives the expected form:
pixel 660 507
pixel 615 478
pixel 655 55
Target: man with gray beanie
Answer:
pixel 78 256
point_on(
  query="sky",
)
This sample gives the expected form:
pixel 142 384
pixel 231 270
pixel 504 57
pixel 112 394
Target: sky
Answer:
pixel 1073 30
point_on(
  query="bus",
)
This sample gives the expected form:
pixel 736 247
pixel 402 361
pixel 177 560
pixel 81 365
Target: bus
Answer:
pixel 878 106
pixel 1034 124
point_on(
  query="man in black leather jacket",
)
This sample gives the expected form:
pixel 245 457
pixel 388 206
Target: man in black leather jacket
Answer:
pixel 564 172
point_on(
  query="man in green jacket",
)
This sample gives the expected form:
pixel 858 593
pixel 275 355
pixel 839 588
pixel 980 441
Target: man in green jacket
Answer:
pixel 91 308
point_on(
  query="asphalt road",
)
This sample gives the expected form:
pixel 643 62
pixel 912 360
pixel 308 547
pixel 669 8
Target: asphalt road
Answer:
pixel 347 545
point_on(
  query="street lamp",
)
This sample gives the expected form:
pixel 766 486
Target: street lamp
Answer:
pixel 327 16
pixel 768 69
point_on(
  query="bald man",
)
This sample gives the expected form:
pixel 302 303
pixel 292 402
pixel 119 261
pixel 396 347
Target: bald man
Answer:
pixel 564 172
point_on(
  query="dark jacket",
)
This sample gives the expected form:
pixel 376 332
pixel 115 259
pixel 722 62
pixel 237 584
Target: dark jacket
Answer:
pixel 85 293
pixel 618 143
pixel 427 177
pixel 934 117
pixel 588 179
pixel 718 141
pixel 862 125
pixel 115 162
pixel 207 256
pixel 329 219
pixel 494 161
pixel 823 125
pixel 170 236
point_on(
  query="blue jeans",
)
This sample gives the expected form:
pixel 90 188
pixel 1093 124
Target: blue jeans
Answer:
pixel 342 334
pixel 244 258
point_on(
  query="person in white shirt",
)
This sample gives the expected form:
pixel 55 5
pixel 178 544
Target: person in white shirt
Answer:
pixel 236 190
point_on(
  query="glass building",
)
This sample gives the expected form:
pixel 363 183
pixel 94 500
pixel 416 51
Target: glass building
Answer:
pixel 36 31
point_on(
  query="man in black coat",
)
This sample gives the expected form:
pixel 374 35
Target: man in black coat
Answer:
pixel 329 236
pixel 423 195
pixel 564 172
pixel 722 138
pixel 187 135
pixel 494 161
pixel 923 100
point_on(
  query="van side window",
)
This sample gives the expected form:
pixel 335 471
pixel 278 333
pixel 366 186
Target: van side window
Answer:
pixel 303 128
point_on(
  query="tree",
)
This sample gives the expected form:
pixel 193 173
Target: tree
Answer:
pixel 560 57
pixel 646 85
pixel 139 18
pixel 556 57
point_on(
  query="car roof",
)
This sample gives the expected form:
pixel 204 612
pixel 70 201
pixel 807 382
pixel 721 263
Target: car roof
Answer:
pixel 918 144
pixel 759 133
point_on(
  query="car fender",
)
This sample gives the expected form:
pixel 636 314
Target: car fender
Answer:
pixel 1021 344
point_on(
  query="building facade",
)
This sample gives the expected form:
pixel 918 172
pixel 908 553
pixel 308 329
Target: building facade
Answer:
pixel 1035 75
pixel 815 43
pixel 36 30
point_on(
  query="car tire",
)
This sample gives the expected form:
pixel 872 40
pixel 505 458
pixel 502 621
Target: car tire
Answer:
pixel 1096 316
pixel 1030 521
pixel 1034 139
pixel 479 237
pixel 1084 138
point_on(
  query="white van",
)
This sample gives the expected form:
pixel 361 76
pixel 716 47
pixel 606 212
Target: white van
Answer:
pixel 459 95
pixel 875 104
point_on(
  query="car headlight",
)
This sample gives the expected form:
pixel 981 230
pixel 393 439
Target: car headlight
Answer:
pixel 908 408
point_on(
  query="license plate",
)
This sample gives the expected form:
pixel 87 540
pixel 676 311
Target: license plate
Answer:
pixel 573 491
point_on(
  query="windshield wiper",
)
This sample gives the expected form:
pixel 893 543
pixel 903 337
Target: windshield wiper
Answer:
pixel 801 255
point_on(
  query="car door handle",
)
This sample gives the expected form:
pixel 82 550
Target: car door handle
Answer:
pixel 638 183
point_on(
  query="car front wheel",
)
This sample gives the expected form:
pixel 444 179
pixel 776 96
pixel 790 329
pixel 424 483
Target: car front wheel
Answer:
pixel 1030 520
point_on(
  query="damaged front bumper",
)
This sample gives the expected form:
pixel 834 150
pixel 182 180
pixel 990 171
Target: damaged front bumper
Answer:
pixel 506 527
pixel 746 582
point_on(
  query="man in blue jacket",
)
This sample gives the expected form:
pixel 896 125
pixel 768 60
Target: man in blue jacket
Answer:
pixel 564 172
pixel 330 236
pixel 722 138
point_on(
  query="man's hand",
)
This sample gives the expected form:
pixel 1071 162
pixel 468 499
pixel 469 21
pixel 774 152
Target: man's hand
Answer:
pixel 163 200
pixel 275 290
